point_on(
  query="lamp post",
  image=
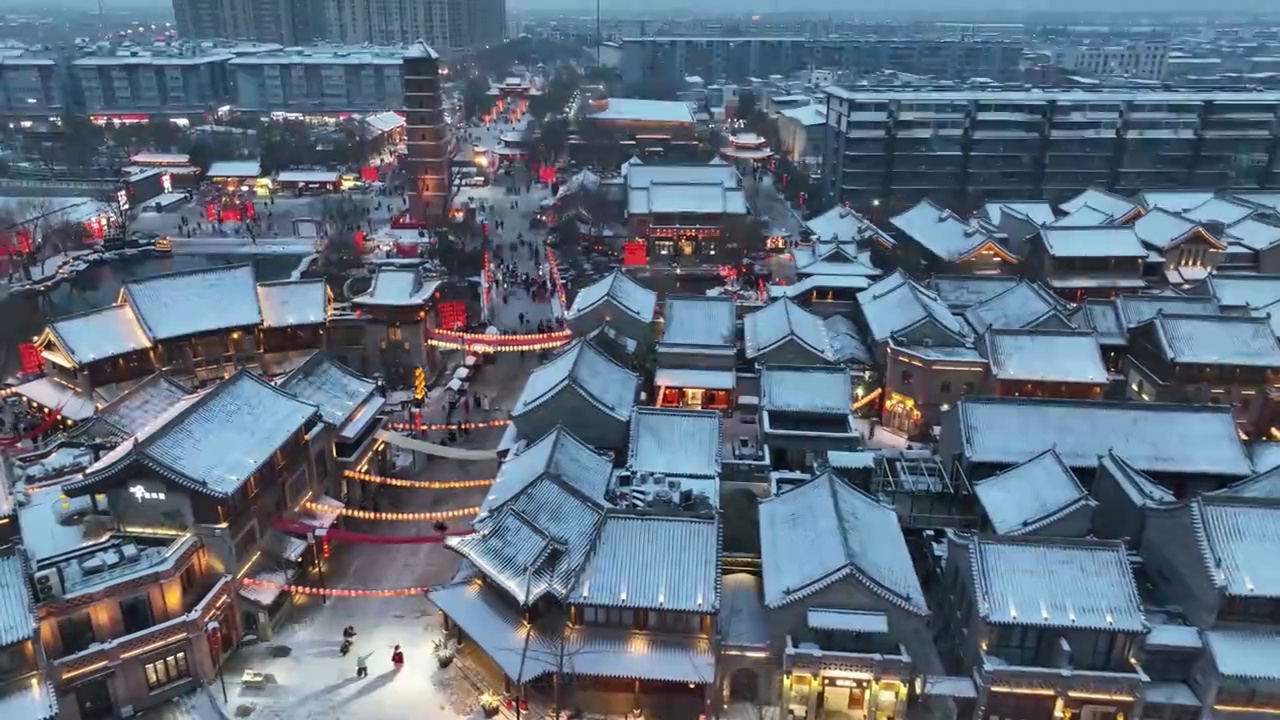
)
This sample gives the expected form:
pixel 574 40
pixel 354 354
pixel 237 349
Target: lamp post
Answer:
pixel 216 628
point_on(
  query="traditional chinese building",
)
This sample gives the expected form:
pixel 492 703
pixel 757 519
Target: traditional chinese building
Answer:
pixel 689 213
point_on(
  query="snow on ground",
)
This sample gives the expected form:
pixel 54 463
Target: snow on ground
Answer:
pixel 243 245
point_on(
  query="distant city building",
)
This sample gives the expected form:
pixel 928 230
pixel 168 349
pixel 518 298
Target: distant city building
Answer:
pixel 963 147
pixel 29 84
pixel 288 22
pixel 669 59
pixel 319 79
pixel 1143 60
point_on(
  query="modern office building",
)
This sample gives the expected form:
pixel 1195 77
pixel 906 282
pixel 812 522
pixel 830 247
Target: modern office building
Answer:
pixel 738 58
pixel 427 134
pixel 177 79
pixel 319 79
pixel 30 87
pixel 890 148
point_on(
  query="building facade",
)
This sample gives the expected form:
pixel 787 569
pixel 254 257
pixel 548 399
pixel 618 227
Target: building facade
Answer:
pixel 321 79
pixel 1142 60
pixel 428 141
pixel 891 148
pixel 30 85
pixel 287 22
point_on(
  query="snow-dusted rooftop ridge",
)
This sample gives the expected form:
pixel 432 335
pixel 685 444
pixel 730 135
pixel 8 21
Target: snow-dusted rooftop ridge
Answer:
pixel 897 303
pixel 699 321
pixel 960 292
pixel 1175 201
pixel 522 652
pixel 234 169
pixel 783 320
pixel 1239 539
pixel 329 385
pixel 139 406
pixel 824 390
pixel 1109 203
pixel 1119 241
pixel 1245 654
pixel 1083 217
pixel 653 562
pixel 1057 356
pixel 1244 290
pixel 99 334
pixel 1037 212
pixel 1265 485
pixel 826 531
pixel 17 609
pixel 1029 496
pixel 1150 436
pixel 842 225
pixel 191 302
pixel 623 291
pixel 536 542
pixel 214 441
pixel 1161 229
pixel 1240 341
pixel 587 371
pixel 945 234
pixel 1254 233
pixel 399 287
pixel 1141 489
pixel 675 442
pixel 1022 305
pixel 559 453
pixel 1219 209
pixel 1055 583
pixel 640 175
pixel 289 303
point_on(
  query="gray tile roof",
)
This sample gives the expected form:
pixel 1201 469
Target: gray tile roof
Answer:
pixel 628 655
pixel 1239 540
pixel 623 291
pixel 1217 340
pixel 584 369
pixel 961 292
pixel 1056 356
pixel 1029 496
pixel 1075 584
pixel 656 433
pixel 289 303
pixel 806 389
pixel 522 653
pixel 17 610
pixel 1245 654
pixel 897 303
pixel 139 406
pixel 743 621
pixel 329 385
pixel 1150 436
pixel 100 334
pixel 826 531
pixel 653 562
pixel 557 453
pixel 195 301
pixel 1020 306
pixel 705 322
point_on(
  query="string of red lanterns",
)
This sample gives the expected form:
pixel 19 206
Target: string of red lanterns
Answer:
pixel 420 484
pixel 334 592
pixel 483 338
pixel 411 516
pixel 449 426
pixel 484 349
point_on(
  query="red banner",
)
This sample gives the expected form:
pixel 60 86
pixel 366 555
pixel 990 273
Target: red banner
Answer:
pixel 453 314
pixel 368 173
pixel 30 359
pixel 635 253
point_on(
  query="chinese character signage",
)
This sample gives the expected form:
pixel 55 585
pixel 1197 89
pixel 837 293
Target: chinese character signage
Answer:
pixel 635 253
pixel 30 359
pixel 453 314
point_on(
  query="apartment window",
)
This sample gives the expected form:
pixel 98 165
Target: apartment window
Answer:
pixel 1099 654
pixel 76 632
pixel 188 579
pixel 394 333
pixel 136 614
pixel 945 387
pixel 167 671
pixel 617 617
pixel 1015 644
pixel 906 377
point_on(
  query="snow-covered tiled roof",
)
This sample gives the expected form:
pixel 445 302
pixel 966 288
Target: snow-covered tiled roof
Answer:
pixel 1135 309
pixel 1022 305
pixel 1245 654
pixel 234 169
pixel 1151 436
pixel 70 402
pixel 558 453
pixel 195 301
pixel 288 303
pixel 331 386
pixel 17 610
pixel 622 654
pixel 99 334
pixel 1223 210
pixel 943 233
pixel 806 389
pixel 1160 229
pixel 783 320
pixel 1245 290
pixel 1113 205
pixel 847 344
pixel 640 175
pixel 656 431
pixel 1137 485
pixel 534 543
pixel 675 198
pixel 653 562
pixel 498 628
pixel 1052 583
pixel 842 225
pixel 1182 637
pixel 623 291
pixel 1083 217
pixel 826 531
pixel 31 698
pixel 1265 454
pixel 1254 233
pixel 897 303
pixel 1029 496
pixel 1266 484
pixel 961 292
pixel 1093 242
pixel 743 621
pixel 215 441
pixel 1217 340
pixel 702 322
pixel 1239 539
pixel 1038 212
pixel 140 405
pixel 398 287
pixel 586 370
pixel 1175 201
pixel 1102 316
pixel 1057 356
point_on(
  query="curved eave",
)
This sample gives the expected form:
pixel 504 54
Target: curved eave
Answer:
pixel 995 247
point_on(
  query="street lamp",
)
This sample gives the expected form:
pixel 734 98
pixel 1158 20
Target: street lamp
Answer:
pixel 216 627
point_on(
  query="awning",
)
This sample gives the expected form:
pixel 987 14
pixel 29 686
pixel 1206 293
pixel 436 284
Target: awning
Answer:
pixel 522 653
pixel 462 373
pixel 949 686
pixel 704 379
pixel 455 385
pixel 323 518
pixel 285 547
pixel 470 360
pixel 624 655
pixel 265 595
pixel 46 392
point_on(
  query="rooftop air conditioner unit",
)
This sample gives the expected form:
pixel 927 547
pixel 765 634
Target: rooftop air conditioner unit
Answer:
pixel 48 584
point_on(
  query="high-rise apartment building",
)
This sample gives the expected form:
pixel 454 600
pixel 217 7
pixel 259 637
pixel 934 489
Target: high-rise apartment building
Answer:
pixel 288 22
pixel 427 136
pixel 668 59
pixel 964 147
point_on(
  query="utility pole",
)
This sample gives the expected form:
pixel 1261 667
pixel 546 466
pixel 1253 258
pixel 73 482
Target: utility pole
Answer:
pixel 598 40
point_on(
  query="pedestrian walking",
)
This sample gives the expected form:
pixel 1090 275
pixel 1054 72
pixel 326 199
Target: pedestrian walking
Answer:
pixel 362 665
pixel 397 658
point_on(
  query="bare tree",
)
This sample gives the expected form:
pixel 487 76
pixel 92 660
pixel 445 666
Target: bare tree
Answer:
pixel 119 213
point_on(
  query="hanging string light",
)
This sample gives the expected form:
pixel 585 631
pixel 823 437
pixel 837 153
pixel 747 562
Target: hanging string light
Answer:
pixel 335 592
pixel 449 426
pixel 504 337
pixel 394 516
pixel 489 348
pixel 420 484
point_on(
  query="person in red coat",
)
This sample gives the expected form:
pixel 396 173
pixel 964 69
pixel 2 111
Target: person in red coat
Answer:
pixel 397 658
